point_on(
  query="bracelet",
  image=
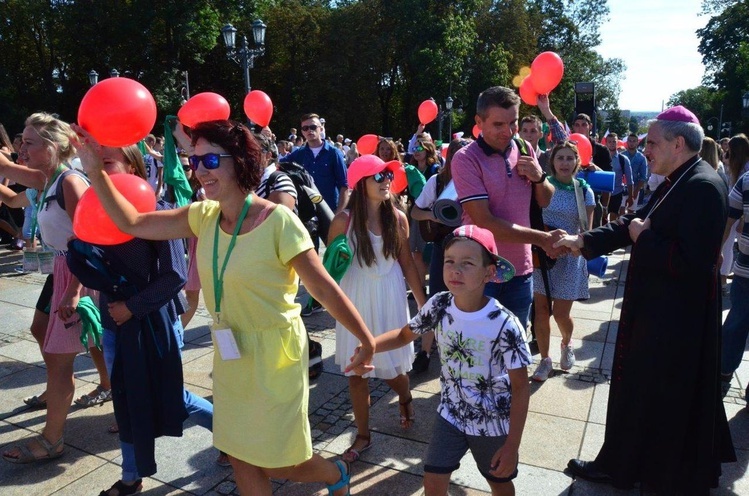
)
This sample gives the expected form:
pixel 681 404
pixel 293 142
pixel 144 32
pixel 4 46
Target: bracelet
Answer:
pixel 544 175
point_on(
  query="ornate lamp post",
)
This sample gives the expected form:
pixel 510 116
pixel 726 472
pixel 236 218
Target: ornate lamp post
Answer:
pixel 245 55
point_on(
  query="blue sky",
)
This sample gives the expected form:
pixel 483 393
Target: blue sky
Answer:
pixel 657 41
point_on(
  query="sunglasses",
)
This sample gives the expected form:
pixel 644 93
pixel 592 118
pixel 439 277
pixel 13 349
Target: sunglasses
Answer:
pixel 311 127
pixel 210 160
pixel 419 149
pixel 381 176
pixel 186 168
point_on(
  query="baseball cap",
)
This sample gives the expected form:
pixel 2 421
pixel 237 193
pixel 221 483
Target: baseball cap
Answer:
pixel 369 165
pixel 484 237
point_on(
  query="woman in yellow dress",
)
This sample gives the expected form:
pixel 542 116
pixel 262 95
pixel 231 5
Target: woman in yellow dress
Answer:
pixel 251 254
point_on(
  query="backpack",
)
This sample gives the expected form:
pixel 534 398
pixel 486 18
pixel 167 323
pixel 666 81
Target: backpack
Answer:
pixel 309 200
pixel 59 193
pixel 301 178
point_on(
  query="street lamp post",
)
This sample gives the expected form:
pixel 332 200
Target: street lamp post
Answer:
pixel 709 126
pixel 93 76
pixel 245 55
pixel 445 113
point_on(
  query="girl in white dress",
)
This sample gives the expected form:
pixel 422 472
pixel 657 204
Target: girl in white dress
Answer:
pixel 377 233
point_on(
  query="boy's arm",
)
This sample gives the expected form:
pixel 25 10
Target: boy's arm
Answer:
pixel 505 459
pixel 391 340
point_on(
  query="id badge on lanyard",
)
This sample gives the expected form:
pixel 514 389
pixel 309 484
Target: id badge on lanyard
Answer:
pixel 223 335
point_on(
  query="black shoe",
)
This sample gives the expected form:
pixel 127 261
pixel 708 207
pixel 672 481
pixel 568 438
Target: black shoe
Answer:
pixel 312 309
pixel 421 362
pixel 588 471
pixel 725 384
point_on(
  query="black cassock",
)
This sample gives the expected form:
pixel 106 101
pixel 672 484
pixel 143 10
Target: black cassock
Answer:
pixel 665 425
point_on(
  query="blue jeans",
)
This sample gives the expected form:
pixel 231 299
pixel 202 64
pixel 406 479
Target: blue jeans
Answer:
pixel 436 269
pixel 736 327
pixel 515 295
pixel 199 409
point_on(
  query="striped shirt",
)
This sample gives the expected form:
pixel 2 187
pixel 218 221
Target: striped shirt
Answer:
pixel 282 183
pixel 738 202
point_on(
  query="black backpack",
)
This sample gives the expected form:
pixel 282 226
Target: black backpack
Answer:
pixel 301 178
pixel 309 201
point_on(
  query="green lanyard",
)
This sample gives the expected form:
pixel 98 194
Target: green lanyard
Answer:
pixel 40 204
pixel 218 278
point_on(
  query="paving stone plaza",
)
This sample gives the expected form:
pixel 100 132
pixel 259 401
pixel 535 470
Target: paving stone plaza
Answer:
pixel 566 418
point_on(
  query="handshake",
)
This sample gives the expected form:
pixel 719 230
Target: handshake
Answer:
pixel 557 243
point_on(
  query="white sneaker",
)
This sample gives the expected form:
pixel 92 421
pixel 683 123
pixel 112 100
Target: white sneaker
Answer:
pixel 543 370
pixel 568 357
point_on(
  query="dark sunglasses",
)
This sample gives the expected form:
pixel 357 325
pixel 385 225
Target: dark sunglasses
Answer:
pixel 186 168
pixel 381 176
pixel 311 127
pixel 210 160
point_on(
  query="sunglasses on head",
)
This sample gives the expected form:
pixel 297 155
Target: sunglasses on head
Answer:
pixel 210 160
pixel 381 176
pixel 311 127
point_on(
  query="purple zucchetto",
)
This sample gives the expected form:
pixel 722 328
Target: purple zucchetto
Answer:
pixel 678 114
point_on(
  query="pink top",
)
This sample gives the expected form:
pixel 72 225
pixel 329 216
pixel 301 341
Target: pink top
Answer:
pixel 479 176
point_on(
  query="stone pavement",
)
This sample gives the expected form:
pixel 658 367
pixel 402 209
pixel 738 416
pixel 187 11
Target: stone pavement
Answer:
pixel 566 417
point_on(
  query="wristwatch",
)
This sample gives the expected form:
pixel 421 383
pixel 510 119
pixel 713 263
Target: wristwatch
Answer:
pixel 543 178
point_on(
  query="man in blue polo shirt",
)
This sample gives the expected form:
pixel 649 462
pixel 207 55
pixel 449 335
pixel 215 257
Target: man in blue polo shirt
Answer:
pixel 324 162
pixel 639 165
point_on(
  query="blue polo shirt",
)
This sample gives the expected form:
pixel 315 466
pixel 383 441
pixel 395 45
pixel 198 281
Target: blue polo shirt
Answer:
pixel 328 170
pixel 639 165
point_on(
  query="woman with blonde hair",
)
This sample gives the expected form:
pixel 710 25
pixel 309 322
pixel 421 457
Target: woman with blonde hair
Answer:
pixel 47 146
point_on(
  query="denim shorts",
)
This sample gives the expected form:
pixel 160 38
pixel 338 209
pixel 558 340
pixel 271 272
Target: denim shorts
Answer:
pixel 448 445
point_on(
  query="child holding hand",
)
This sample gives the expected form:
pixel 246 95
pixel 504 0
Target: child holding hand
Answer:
pixel 484 380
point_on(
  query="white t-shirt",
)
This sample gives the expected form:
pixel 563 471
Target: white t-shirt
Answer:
pixel 476 349
pixel 428 195
pixel 316 151
pixel 152 170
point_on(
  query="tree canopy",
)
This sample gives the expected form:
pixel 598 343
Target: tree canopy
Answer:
pixel 364 65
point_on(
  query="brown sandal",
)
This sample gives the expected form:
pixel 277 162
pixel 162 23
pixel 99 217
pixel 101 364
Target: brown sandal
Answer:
pixel 407 418
pixel 351 455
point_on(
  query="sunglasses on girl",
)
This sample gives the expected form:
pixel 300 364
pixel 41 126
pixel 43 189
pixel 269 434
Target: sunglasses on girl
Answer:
pixel 419 149
pixel 210 160
pixel 381 176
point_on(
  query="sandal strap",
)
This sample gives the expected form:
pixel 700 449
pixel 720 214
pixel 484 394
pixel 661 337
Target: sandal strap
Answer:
pixel 344 469
pixel 50 448
pixel 364 437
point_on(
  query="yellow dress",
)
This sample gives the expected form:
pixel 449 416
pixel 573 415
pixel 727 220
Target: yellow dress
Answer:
pixel 260 400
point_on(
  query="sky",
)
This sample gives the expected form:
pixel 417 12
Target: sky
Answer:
pixel 657 41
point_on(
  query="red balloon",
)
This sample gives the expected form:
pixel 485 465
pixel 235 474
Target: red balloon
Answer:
pixel 476 131
pixel 91 222
pixel 547 70
pixel 427 112
pixel 117 112
pixel 367 144
pixel 584 148
pixel 258 107
pixel 204 107
pixel 527 92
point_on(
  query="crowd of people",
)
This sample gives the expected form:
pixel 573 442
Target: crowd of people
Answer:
pixel 483 288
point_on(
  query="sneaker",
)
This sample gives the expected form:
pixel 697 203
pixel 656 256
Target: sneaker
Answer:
pixel 568 357
pixel 311 309
pixel 543 370
pixel 421 362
